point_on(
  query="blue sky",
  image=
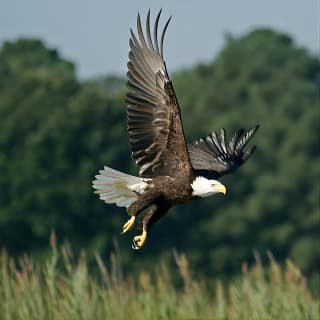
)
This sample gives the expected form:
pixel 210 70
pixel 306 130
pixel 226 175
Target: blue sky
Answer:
pixel 94 34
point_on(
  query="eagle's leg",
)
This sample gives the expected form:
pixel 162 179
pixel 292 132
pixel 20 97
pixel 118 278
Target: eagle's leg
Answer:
pixel 152 216
pixel 135 208
pixel 139 241
pixel 128 225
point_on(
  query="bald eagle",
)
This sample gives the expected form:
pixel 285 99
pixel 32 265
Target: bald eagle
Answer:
pixel 171 171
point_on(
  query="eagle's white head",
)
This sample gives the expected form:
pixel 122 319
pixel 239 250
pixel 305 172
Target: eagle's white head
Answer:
pixel 203 187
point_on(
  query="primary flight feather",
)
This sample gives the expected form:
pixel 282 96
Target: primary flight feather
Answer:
pixel 171 171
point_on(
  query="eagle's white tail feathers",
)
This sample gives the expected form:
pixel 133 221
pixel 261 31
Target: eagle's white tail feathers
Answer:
pixel 117 187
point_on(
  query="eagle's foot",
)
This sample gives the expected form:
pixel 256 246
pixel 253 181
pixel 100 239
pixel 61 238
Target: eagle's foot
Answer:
pixel 128 225
pixel 139 241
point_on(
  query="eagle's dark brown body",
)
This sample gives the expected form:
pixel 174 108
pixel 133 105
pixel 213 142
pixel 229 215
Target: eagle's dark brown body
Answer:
pixel 163 190
pixel 169 168
pixel 160 195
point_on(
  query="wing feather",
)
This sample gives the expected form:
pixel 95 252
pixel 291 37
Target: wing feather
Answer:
pixel 153 114
pixel 212 156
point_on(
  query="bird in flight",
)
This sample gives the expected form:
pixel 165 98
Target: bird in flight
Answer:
pixel 171 171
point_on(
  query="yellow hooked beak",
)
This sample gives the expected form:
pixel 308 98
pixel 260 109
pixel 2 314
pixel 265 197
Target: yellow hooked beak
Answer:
pixel 219 188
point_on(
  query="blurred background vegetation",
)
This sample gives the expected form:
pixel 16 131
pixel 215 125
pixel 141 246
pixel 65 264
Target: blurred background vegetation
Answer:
pixel 56 132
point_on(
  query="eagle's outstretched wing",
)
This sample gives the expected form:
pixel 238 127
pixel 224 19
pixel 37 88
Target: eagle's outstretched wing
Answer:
pixel 154 122
pixel 212 156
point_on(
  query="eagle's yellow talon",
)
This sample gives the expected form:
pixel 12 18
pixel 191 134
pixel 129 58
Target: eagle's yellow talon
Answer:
pixel 139 241
pixel 128 225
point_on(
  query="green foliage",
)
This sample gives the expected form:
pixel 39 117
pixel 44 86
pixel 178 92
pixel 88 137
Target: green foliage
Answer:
pixel 272 203
pixel 56 133
pixel 63 288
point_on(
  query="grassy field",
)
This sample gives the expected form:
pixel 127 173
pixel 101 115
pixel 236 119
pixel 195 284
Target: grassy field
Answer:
pixel 61 289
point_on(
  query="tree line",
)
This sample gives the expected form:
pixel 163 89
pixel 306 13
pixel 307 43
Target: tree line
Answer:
pixel 56 132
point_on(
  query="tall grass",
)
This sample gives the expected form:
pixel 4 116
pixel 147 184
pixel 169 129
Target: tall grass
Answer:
pixel 61 288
